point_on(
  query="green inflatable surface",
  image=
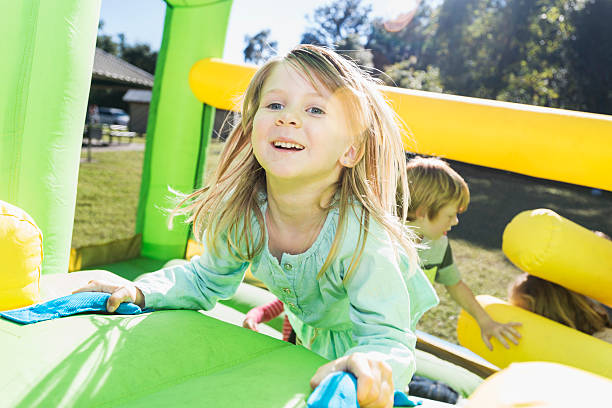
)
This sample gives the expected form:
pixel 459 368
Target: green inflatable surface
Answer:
pixel 165 358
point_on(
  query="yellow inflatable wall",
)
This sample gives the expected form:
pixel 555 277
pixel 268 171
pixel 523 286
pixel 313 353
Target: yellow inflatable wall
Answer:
pixel 544 244
pixel 20 258
pixel 541 385
pixel 555 144
pixel 542 340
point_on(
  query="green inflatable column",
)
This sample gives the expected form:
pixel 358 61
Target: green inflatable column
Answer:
pixel 193 30
pixel 47 55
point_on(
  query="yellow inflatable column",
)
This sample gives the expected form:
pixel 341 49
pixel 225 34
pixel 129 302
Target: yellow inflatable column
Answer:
pixel 544 244
pixel 542 340
pixel 21 257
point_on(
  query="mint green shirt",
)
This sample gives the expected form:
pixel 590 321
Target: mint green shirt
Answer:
pixel 375 311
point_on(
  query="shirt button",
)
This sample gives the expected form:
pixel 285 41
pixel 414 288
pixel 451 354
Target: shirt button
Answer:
pixel 287 290
pixel 288 267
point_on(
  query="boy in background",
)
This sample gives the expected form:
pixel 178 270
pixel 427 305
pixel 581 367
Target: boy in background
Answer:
pixel 437 194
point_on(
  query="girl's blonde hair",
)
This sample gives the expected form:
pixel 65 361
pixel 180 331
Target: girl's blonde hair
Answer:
pixel 233 195
pixel 558 303
pixel 433 184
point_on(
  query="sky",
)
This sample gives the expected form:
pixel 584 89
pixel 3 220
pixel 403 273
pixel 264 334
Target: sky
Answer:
pixel 142 21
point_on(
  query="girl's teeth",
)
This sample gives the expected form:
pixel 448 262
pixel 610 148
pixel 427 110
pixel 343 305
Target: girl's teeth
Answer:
pixel 288 145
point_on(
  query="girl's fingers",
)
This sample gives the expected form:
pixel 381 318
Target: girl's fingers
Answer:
pixel 97 286
pixel 321 373
pixel 119 296
pixel 499 336
pixel 374 379
pixel 367 389
pixel 487 342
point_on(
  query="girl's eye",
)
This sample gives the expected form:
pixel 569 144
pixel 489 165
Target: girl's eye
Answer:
pixel 316 111
pixel 274 106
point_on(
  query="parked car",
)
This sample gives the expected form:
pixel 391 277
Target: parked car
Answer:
pixel 113 116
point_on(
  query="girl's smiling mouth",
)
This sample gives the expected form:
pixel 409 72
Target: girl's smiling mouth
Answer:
pixel 289 146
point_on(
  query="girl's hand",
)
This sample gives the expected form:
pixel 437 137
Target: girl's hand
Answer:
pixel 119 293
pixel 250 324
pixel 374 381
pixel 501 331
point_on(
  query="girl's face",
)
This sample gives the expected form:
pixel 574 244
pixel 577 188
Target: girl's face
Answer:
pixel 299 131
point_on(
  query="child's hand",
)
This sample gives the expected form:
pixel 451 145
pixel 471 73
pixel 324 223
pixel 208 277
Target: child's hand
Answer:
pixel 250 324
pixel 501 331
pixel 374 381
pixel 119 293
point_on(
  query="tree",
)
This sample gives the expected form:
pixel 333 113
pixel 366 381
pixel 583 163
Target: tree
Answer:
pixel 412 41
pixel 259 48
pixel 405 75
pixel 590 58
pixel 335 22
pixel 140 55
pixel 352 49
pixel 509 50
pixel 106 42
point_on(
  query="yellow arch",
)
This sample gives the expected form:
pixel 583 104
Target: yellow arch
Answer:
pixel 568 146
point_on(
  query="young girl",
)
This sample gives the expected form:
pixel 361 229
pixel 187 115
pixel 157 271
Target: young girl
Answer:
pixel 561 305
pixel 305 193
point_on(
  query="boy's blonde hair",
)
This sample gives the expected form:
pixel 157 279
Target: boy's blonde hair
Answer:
pixel 557 303
pixel 433 184
pixel 226 205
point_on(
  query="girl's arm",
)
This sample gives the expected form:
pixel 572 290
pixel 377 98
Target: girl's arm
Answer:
pixel 197 284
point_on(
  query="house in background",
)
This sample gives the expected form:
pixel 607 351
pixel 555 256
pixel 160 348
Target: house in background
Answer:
pixel 113 79
pixel 112 75
pixel 138 101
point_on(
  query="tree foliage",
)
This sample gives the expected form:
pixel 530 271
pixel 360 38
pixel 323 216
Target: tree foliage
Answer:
pixel 554 53
pixel 259 48
pixel 333 23
pixel 139 54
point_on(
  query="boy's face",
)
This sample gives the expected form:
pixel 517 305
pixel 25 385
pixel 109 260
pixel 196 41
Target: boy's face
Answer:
pixel 442 223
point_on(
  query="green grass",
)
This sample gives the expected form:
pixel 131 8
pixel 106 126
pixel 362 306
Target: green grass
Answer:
pixel 109 187
pixel 107 197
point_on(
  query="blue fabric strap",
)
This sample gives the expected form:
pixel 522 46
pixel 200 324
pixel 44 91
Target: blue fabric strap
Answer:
pixel 339 390
pixel 67 306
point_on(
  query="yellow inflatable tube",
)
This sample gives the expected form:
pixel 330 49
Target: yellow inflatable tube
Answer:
pixel 555 144
pixel 542 340
pixel 538 384
pixel 544 244
pixel 21 254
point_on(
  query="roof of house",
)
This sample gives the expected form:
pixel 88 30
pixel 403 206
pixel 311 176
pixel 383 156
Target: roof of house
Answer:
pixel 138 95
pixel 111 68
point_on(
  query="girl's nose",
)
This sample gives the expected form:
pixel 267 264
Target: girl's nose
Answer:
pixel 455 221
pixel 286 118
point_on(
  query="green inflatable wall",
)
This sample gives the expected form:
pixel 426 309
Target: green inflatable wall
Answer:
pixel 177 132
pixel 47 53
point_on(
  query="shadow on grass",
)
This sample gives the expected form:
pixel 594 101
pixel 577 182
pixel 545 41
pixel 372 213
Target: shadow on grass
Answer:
pixel 497 196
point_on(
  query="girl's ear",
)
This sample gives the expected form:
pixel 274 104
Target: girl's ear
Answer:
pixel 351 156
pixel 421 212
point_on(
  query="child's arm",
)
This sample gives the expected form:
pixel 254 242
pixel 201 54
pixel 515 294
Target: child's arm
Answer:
pixel 463 295
pixel 262 314
pixel 194 285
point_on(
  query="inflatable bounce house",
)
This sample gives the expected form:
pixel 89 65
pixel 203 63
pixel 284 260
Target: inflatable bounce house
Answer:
pixel 189 358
